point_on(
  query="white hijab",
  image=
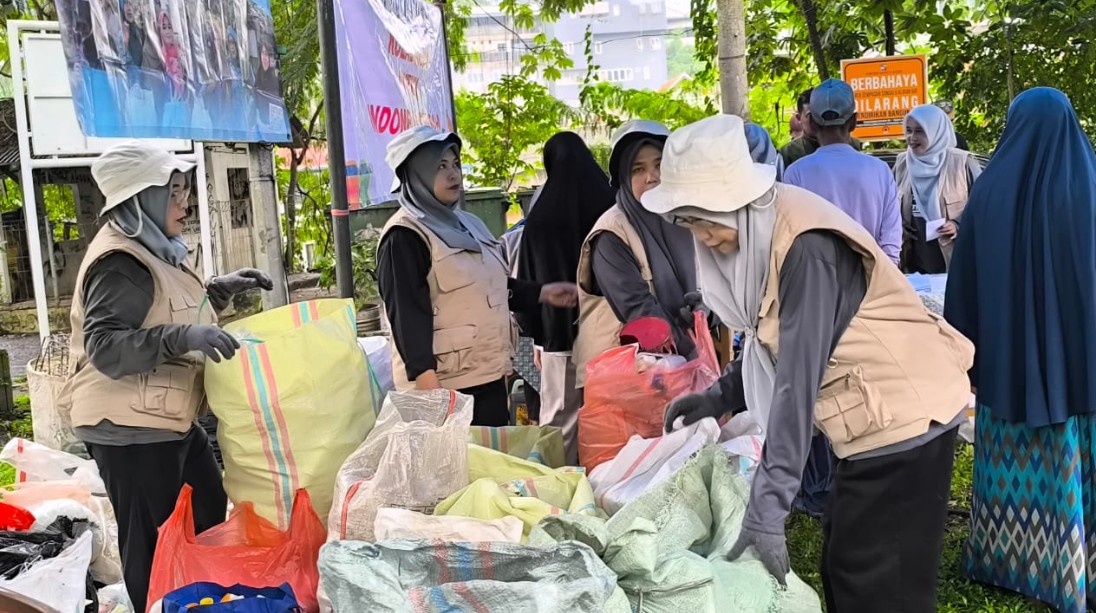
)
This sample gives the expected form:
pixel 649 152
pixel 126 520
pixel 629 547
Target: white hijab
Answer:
pixel 733 286
pixel 925 169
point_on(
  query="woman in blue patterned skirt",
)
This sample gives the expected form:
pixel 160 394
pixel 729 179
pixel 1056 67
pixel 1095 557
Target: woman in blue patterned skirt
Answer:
pixel 1022 287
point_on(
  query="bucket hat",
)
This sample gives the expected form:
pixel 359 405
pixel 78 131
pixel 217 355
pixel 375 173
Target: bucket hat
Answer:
pixel 127 169
pixel 405 143
pixel 707 165
pixel 628 132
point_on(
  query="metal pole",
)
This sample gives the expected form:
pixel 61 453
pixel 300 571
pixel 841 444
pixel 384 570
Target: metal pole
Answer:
pixel 336 151
pixel 448 65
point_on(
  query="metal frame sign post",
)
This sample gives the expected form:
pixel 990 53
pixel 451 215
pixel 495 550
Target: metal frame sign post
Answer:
pixel 886 90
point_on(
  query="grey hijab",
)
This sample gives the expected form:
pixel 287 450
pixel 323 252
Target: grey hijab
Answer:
pixel 144 219
pixel 762 149
pixel 733 286
pixel 452 225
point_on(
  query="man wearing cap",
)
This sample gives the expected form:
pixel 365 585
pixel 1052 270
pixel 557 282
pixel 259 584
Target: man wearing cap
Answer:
pixel 949 107
pixel 140 338
pixel 804 142
pixel 860 185
pixel 827 322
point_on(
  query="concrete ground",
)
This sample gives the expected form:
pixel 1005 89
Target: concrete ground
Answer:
pixel 21 348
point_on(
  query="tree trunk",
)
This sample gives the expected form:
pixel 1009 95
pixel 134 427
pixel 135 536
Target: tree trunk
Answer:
pixel 810 14
pixel 733 83
pixel 888 26
pixel 291 212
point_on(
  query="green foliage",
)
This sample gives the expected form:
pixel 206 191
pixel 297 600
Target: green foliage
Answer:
pixel 363 253
pixel 516 115
pixel 610 105
pixel 313 221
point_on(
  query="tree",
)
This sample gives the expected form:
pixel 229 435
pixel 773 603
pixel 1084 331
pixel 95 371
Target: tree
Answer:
pixel 297 29
pixel 733 82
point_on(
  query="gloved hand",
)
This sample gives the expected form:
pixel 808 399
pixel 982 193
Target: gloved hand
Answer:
pixel 222 289
pixel 694 407
pixel 694 303
pixel 771 550
pixel 212 341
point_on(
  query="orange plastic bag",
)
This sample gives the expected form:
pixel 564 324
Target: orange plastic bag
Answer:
pixel 621 402
pixel 246 549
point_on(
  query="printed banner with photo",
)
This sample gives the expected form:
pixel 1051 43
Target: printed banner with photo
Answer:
pixel 394 76
pixel 196 69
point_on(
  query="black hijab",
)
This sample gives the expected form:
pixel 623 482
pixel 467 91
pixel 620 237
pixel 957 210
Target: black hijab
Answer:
pixel 575 195
pixel 670 251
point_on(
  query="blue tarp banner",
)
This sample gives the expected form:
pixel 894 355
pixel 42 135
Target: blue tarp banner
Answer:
pixel 191 69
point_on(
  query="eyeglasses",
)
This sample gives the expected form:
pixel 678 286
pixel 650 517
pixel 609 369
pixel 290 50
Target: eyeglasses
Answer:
pixel 682 221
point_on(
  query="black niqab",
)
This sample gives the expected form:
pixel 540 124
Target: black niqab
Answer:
pixel 575 195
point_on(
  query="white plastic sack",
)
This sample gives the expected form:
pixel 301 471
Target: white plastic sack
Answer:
pixel 644 463
pixel 415 457
pixel 742 439
pixel 36 462
pixel 52 428
pixel 379 353
pixel 59 582
pixel 404 524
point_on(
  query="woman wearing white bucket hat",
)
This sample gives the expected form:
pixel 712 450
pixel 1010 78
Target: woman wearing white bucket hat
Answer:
pixel 445 282
pixel 139 342
pixel 827 328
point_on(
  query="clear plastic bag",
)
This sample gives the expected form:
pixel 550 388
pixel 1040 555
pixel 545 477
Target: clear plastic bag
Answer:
pixel 415 457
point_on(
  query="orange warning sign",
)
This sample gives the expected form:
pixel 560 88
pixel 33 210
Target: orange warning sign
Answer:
pixel 886 89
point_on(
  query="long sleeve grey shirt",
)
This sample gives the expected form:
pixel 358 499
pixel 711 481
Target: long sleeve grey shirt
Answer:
pixel 822 284
pixel 617 277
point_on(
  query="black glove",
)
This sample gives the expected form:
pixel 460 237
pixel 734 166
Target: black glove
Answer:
pixel 695 407
pixel 212 341
pixel 771 550
pixel 222 289
pixel 694 303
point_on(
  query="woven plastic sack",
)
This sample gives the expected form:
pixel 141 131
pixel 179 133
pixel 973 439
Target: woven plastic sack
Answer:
pixel 668 546
pixel 246 549
pixel 505 486
pixel 540 444
pixel 52 427
pixel 467 577
pixel 621 402
pixel 292 405
pixel 403 524
pixel 414 458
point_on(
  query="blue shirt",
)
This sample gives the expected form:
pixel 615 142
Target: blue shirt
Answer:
pixel 860 185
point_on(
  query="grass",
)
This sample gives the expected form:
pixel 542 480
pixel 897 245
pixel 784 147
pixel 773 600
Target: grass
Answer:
pixel 955 594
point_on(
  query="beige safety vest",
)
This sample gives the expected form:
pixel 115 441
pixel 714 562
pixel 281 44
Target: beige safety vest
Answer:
pixel 171 395
pixel 598 327
pixel 472 342
pixel 954 191
pixel 897 368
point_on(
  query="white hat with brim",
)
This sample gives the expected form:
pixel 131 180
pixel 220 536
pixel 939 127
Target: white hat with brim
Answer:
pixel 707 165
pixel 127 169
pixel 628 132
pixel 406 142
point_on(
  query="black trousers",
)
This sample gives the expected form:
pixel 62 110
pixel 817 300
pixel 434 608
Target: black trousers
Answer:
pixel 492 406
pixel 919 255
pixel 884 530
pixel 143 484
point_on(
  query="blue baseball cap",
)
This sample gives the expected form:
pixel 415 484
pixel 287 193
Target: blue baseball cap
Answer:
pixel 832 103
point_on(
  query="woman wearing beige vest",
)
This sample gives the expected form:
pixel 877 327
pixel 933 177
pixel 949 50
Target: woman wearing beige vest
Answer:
pixel 934 180
pixel 140 338
pixel 445 282
pixel 828 323
pixel 633 264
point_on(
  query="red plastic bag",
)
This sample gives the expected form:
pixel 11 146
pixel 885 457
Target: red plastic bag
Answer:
pixel 15 518
pixel 621 402
pixel 246 549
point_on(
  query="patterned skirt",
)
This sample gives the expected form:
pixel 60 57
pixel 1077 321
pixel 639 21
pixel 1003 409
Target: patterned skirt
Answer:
pixel 1033 518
